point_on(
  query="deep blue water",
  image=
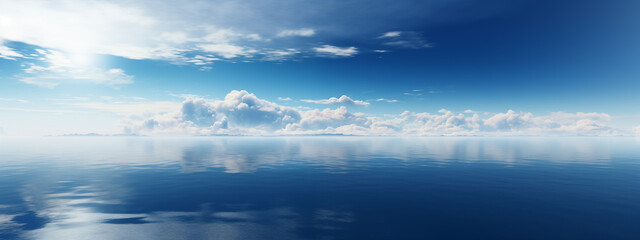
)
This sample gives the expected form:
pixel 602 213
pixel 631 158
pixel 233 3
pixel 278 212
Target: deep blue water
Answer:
pixel 319 188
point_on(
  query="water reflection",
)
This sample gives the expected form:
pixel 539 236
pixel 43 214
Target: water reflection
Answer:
pixel 244 155
pixel 288 188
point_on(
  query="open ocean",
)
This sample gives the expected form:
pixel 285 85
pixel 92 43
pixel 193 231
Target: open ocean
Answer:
pixel 319 188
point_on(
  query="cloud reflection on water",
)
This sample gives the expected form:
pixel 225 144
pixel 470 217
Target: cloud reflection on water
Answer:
pixel 79 188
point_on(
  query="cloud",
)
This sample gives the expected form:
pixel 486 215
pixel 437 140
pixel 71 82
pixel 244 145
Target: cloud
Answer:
pixel 176 31
pixel 404 39
pixel 284 99
pixel 50 68
pixel 386 100
pixel 13 100
pixel 343 100
pixel 239 113
pixel 329 118
pixel 244 109
pixel 636 130
pixel 160 31
pixel 391 34
pixel 337 51
pixel 278 55
pixel 9 53
pixel 227 50
pixel 242 113
pixel 303 32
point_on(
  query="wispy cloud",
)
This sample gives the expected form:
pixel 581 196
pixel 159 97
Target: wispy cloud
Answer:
pixel 336 51
pixel 404 39
pixel 50 68
pixel 303 32
pixel 9 53
pixel 391 34
pixel 386 100
pixel 13 100
pixel 227 50
pixel 342 100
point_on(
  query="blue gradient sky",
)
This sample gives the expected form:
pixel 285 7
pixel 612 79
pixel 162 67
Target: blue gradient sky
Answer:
pixel 488 56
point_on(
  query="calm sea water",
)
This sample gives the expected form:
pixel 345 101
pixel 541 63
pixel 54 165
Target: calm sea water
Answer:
pixel 319 188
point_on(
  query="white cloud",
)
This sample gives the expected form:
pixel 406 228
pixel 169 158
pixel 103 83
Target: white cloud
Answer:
pixel 54 67
pixel 140 30
pixel 636 130
pixel 343 100
pixel 337 51
pixel 390 34
pixel 46 83
pixel 303 32
pixel 9 53
pixel 13 100
pixel 244 109
pixel 227 50
pixel 172 31
pixel 329 118
pixel 404 39
pixel 161 30
pixel 239 113
pixel 284 99
pixel 386 100
pixel 243 113
pixel 277 55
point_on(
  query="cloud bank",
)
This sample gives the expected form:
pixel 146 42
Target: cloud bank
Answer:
pixel 243 113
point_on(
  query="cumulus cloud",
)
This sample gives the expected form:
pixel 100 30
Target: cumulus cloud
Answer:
pixel 329 118
pixel 342 100
pixel 243 113
pixel 239 113
pixel 336 51
pixel 303 32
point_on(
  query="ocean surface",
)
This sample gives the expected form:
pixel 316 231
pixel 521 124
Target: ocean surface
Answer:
pixel 319 188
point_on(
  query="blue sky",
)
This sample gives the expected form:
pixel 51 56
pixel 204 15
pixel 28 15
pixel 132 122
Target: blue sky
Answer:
pixel 561 67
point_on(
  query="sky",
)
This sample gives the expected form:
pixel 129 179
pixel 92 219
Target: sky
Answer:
pixel 439 67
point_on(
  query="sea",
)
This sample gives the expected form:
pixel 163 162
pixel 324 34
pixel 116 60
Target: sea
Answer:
pixel 319 187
